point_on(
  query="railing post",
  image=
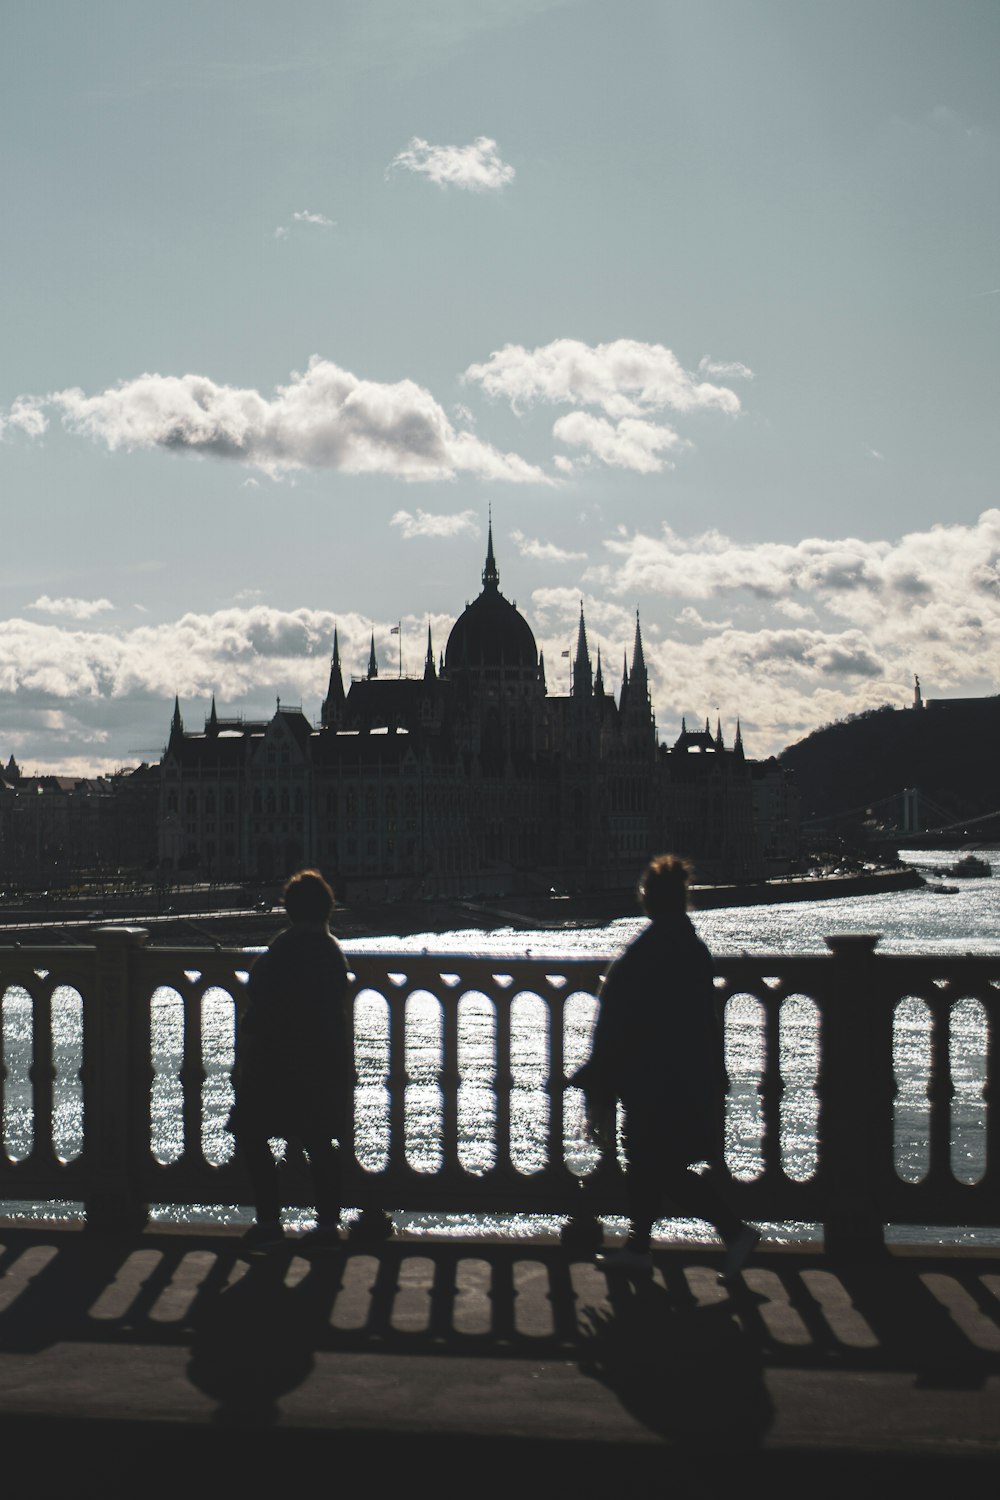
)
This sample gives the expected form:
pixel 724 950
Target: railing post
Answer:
pixel 116 1084
pixel 856 1100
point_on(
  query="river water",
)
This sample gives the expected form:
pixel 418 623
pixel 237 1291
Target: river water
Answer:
pixel 910 922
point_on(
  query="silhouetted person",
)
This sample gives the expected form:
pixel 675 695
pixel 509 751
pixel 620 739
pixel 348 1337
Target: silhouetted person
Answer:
pixel 294 1071
pixel 657 1047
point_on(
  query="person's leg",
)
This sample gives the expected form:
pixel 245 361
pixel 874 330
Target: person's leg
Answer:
pixel 643 1189
pixel 324 1164
pixel 263 1171
pixel 695 1193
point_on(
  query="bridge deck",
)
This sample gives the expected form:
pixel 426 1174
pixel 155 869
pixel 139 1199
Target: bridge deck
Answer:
pixel 188 1363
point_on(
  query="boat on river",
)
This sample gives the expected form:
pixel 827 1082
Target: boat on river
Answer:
pixel 969 867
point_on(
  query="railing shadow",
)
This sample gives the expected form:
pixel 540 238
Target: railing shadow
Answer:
pixel 683 1354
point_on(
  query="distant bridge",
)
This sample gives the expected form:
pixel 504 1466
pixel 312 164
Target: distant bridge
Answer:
pixel 909 815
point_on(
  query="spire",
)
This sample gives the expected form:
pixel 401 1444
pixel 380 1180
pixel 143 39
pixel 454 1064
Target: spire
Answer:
pixel 708 727
pixel 599 677
pixel 638 659
pixel 583 682
pixel 491 578
pixel 738 742
pixel 718 733
pixel 212 726
pixel 541 669
pixel 334 700
pixel 373 660
pixel 429 673
pixel 176 726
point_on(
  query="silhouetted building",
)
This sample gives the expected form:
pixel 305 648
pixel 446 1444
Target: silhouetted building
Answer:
pixel 470 777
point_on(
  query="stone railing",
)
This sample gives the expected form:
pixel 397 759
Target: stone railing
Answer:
pixel 860 1094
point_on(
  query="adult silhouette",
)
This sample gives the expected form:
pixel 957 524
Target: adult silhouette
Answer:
pixel 657 1047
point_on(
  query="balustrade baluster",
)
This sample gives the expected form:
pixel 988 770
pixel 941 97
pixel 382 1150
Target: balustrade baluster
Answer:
pixel 448 1081
pixel 771 1085
pixel 504 1079
pixel 940 1089
pixel 991 1093
pixel 555 1083
pixel 192 1073
pixel 41 1075
pixel 397 1081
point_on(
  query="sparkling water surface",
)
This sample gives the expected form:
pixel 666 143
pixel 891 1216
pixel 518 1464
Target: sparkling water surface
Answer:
pixel 910 922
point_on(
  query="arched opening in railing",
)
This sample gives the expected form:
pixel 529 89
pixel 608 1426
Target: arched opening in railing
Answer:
pixel 17 1010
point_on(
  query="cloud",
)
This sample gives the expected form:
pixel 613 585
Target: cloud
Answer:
pixel 461 523
pixel 478 167
pixel 624 378
pixel 731 369
pixel 74 609
pixel 628 444
pixel 303 216
pixel 26 415
pixel 324 418
pixel 543 551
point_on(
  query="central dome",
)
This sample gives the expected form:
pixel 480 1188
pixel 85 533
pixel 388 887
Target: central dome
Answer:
pixel 490 632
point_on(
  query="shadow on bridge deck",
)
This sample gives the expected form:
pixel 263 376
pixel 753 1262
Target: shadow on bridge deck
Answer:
pixel 483 1366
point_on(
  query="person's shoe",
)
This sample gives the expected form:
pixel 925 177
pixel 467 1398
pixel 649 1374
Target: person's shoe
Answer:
pixel 267 1235
pixel 738 1252
pixel 624 1258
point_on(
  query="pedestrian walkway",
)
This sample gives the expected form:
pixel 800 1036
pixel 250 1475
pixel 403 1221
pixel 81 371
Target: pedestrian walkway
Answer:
pixel 180 1359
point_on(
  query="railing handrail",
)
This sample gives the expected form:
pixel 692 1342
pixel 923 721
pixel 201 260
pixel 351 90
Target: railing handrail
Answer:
pixel 854 1189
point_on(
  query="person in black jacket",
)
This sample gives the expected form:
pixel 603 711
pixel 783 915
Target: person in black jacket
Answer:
pixel 657 1047
pixel 295 1072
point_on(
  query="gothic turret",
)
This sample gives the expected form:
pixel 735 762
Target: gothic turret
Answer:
pixel 176 727
pixel 583 679
pixel 429 673
pixel 372 660
pixel 333 703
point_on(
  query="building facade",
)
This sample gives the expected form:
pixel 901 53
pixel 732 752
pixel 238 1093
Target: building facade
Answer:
pixel 471 777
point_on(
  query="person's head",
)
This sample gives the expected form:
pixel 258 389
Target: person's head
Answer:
pixel 663 885
pixel 307 897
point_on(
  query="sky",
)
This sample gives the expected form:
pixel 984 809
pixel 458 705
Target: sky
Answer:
pixel 701 297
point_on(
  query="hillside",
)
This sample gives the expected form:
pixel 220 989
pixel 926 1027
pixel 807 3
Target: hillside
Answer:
pixel 949 750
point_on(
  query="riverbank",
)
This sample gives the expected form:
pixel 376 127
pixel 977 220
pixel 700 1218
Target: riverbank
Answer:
pixel 237 926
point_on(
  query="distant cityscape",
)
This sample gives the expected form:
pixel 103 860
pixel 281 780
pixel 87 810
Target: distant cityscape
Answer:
pixel 472 777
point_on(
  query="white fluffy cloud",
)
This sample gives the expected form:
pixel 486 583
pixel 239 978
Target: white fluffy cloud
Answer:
pixel 26 415
pixel 325 417
pixel 74 609
pixel 624 378
pixel 461 523
pixel 478 167
pixel 865 616
pixel 543 551
pixel 628 444
pixel 235 652
pixel 628 381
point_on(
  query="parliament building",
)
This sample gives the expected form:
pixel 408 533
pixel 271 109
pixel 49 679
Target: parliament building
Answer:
pixel 470 778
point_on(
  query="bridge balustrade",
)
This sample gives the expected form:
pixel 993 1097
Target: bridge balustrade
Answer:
pixel 862 1086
